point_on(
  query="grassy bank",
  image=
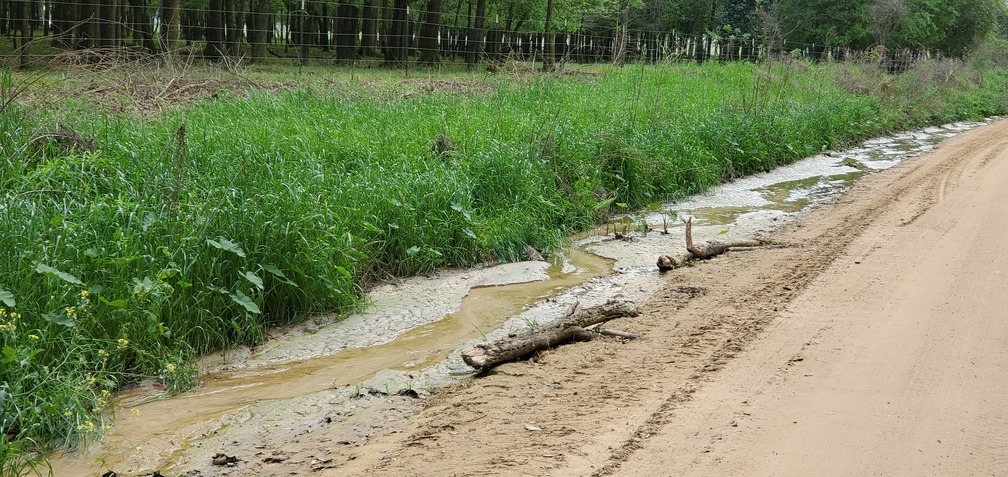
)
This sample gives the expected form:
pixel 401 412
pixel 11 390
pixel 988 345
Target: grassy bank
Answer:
pixel 133 242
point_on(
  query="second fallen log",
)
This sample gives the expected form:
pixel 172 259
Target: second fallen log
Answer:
pixel 483 356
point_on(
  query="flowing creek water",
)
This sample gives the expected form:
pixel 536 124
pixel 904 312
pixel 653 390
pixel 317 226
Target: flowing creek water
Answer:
pixel 410 336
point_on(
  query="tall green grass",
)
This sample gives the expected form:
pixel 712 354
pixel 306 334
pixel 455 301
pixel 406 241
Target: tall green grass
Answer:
pixel 126 254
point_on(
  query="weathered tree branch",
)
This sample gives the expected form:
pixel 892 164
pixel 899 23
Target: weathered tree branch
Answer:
pixel 703 251
pixel 572 327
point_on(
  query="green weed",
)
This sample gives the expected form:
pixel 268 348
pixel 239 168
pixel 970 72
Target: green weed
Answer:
pixel 142 242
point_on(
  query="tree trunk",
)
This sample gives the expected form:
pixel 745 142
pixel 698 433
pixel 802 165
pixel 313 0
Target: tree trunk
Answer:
pixel 288 32
pixel 369 29
pixel 4 7
pixel 619 54
pixel 476 34
pixel 347 27
pixel 87 31
pixel 238 32
pixel 73 25
pixel 324 24
pixel 397 41
pixel 43 13
pixel 170 26
pixel 549 52
pixel 121 20
pixel 430 52
pixel 142 25
pixel 214 30
pixel 228 26
pixel 305 26
pixel 192 25
pixel 55 10
pixel 260 23
pixel 106 23
pixel 487 355
pixel 19 13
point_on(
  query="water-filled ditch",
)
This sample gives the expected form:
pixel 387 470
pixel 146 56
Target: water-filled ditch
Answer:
pixel 409 336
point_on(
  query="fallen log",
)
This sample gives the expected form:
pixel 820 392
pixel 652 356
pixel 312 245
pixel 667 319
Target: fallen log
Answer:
pixel 483 356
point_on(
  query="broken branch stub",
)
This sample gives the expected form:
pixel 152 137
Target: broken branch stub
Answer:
pixel 704 250
pixel 666 263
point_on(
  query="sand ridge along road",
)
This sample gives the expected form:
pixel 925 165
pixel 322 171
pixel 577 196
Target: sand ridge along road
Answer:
pixel 875 342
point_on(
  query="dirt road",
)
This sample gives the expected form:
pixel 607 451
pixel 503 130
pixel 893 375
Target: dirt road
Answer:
pixel 875 343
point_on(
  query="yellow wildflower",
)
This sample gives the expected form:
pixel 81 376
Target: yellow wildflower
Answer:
pixel 34 337
pixel 103 354
pixel 123 342
pixel 71 311
pixel 170 368
pixel 84 294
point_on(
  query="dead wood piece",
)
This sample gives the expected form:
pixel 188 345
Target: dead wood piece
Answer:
pixel 704 250
pixel 533 254
pixel 618 334
pixel 67 139
pixel 666 263
pixel 514 347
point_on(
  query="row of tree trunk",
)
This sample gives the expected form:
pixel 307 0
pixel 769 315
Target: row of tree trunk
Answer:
pixel 350 31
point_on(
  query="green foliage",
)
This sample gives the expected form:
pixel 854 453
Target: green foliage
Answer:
pixel 826 22
pixel 973 21
pixel 164 242
pixel 950 26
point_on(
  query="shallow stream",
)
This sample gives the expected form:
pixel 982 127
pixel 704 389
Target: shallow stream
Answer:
pixel 411 334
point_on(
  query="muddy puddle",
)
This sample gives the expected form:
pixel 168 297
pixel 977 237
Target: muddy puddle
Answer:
pixel 410 336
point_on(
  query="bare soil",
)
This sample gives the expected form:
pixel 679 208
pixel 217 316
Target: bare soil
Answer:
pixel 874 344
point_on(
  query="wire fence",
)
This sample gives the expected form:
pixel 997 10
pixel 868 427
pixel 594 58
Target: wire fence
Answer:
pixel 54 33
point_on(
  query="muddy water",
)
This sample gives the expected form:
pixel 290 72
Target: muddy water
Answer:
pixel 757 204
pixel 150 432
pixel 792 188
pixel 416 327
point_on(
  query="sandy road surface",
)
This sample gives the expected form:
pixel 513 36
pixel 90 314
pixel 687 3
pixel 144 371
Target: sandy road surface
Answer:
pixel 875 343
pixel 892 361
